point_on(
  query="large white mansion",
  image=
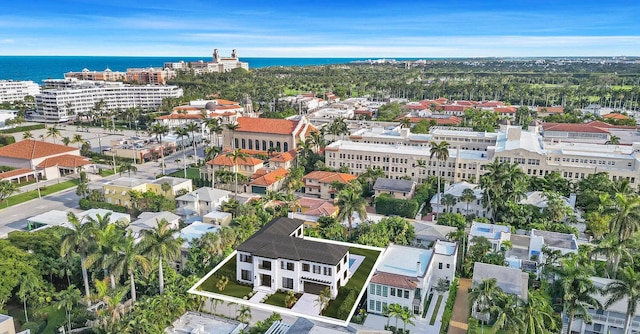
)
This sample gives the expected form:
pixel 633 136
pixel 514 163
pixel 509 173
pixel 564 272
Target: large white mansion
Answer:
pixel 63 99
pixel 397 152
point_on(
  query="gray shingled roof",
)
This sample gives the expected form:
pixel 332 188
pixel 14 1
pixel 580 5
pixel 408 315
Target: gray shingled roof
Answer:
pixel 393 185
pixel 274 241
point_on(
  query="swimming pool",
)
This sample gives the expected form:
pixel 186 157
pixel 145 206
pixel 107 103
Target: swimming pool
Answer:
pixel 351 261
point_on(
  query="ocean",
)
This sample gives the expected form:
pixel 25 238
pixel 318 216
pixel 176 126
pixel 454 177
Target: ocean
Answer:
pixel 38 68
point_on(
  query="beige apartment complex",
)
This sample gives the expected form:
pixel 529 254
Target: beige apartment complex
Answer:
pixel 398 151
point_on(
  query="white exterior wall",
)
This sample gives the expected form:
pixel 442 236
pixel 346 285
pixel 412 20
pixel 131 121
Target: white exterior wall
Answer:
pixel 11 91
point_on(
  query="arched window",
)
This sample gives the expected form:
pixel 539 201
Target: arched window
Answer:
pixel 278 145
pixel 264 145
pixel 251 144
pixel 235 143
pixel 257 144
pixel 286 147
pixel 270 143
pixel 243 143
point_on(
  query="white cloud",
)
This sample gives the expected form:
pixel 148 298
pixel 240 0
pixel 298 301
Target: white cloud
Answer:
pixel 7 41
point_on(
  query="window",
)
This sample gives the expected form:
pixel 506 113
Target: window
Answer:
pixel 287 283
pixel 305 267
pixel 379 290
pixel 286 265
pixel 235 142
pixel 327 271
pixel 246 258
pixel 439 265
pixel 406 294
pixel 266 265
pixel 243 143
pixel 384 291
pixel 264 145
pixel 286 147
pixel 448 265
pixel 316 269
pixel 393 292
pixel 372 304
pixel 245 275
pixel 378 308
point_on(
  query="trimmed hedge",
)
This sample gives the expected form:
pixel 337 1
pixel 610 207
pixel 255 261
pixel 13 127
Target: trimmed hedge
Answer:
pixel 347 304
pixel 23 128
pixel 7 140
pixel 448 308
pixel 387 205
pixel 86 204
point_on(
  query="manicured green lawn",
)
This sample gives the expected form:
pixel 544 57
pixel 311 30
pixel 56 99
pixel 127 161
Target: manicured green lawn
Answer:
pixel 434 315
pixel 232 289
pixel 29 195
pixel 356 281
pixel 192 173
pixel 278 298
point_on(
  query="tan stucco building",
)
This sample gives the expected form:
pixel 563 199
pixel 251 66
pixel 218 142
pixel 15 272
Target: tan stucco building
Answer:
pixel 318 183
pixel 117 191
pixel 257 135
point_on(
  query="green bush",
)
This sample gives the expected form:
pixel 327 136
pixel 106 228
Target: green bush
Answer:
pixel 448 308
pixel 86 204
pixel 23 128
pixel 6 140
pixel 347 304
pixel 34 327
pixel 387 205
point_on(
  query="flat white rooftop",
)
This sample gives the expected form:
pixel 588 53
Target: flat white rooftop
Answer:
pixel 407 261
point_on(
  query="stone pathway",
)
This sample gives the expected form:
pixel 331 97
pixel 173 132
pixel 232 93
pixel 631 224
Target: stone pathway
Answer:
pixel 458 324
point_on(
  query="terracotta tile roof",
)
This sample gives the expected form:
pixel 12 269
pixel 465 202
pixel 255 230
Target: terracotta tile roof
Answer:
pixel 324 209
pixel 551 110
pixel 491 104
pixel 284 157
pixel 224 160
pixel 15 172
pixel 250 152
pixel 33 149
pixel 222 102
pixel 328 177
pixel 453 120
pixel 65 160
pixel 266 125
pixel 270 178
pixel 572 127
pixel 615 116
pixel 505 110
pixel 398 281
pixel 454 108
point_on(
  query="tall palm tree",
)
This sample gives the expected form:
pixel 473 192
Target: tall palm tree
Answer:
pixel 54 133
pixel 405 123
pixel 79 239
pixel 29 284
pixel 485 297
pixel 66 141
pixel 613 140
pixel 27 135
pixel 244 314
pixel 214 129
pixel 615 251
pixel 128 167
pixel 159 242
pixel 625 213
pixel 323 299
pixel 233 127
pixel 350 201
pixel 441 152
pixel 234 156
pixel 449 201
pixel 537 314
pixel 626 286
pixel 193 127
pixel 68 299
pixel 577 289
pixel 105 237
pixel 181 133
pixel 317 139
pixel 128 256
pixel 468 196
pixel 211 153
pixel 509 314
pixel 159 131
pixel 77 139
pixel 407 317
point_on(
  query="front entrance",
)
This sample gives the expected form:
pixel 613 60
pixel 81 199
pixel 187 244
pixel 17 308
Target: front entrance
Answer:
pixel 265 280
pixel 314 288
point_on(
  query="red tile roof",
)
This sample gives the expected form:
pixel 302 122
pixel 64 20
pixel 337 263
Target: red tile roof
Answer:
pixel 453 108
pixel 399 281
pixel 572 127
pixel 65 160
pixel 222 102
pixel 615 116
pixel 270 178
pixel 15 172
pixel 453 120
pixel 505 110
pixel 33 149
pixel 266 125
pixel 328 177
pixel 551 110
pixel 317 207
pixel 224 160
pixel 491 104
pixel 284 157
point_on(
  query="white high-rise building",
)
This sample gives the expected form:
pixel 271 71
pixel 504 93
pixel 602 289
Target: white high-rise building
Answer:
pixel 11 91
pixel 62 100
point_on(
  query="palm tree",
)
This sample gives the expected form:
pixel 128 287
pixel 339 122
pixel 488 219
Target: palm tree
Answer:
pixel 537 314
pixel 449 201
pixel 317 139
pixel 77 139
pixel 293 181
pixel 577 289
pixel 350 201
pixel 233 127
pixel 67 299
pixel 66 141
pixel 27 135
pixel 407 316
pixel 626 286
pixel 441 152
pixel 193 127
pixel 234 156
pixel 29 283
pixel 405 123
pixel 105 237
pixel 615 251
pixel 485 297
pixel 211 153
pixel 323 299
pixel 54 133
pixel 613 140
pixel 127 257
pixel 625 213
pixel 244 314
pixel 159 131
pixel 395 311
pixel 159 242
pixel 468 196
pixel 181 133
pixel 509 314
pixel 79 239
pixel 214 128
pixel 128 167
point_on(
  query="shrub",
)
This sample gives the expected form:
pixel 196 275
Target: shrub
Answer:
pixel 448 308
pixel 86 204
pixel 387 205
pixel 23 128
pixel 6 140
pixel 347 304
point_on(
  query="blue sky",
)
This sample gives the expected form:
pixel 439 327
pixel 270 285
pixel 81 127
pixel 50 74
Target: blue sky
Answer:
pixel 271 28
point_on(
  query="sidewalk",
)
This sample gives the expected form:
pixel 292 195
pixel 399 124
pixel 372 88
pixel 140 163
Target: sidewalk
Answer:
pixel 461 308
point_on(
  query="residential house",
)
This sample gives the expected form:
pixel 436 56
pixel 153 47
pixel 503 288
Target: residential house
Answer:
pixel 217 218
pixel 510 280
pixel 260 134
pixel 197 322
pixel 279 257
pixel 203 200
pixel 406 275
pixel 272 180
pixel 247 166
pixel 496 234
pixel 563 242
pixel 428 233
pixel 283 160
pixel 474 207
pixel 400 189
pixel 175 186
pixel 150 220
pixel 310 209
pixel 189 234
pixel 48 160
pixel 117 191
pixel 318 183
